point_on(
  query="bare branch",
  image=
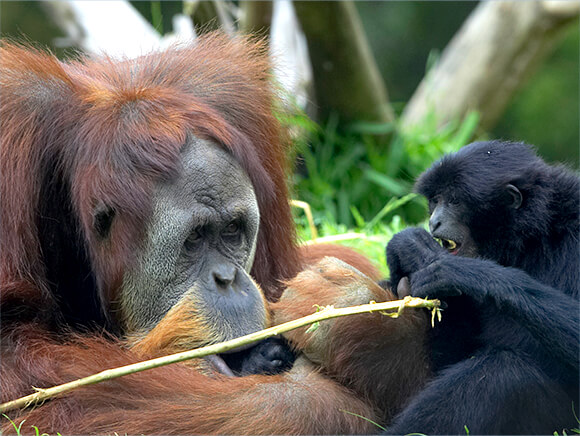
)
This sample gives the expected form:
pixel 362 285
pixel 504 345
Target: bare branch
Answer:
pixel 327 313
pixel 489 58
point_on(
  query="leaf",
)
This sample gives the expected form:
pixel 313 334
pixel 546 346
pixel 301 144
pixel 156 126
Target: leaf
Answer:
pixel 313 327
pixel 358 218
pixel 395 187
pixel 391 205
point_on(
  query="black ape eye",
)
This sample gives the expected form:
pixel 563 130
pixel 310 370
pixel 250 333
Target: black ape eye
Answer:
pixel 193 240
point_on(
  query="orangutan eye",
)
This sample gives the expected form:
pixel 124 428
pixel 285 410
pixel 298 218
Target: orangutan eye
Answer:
pixel 193 240
pixel 232 228
pixel 232 233
pixel 103 220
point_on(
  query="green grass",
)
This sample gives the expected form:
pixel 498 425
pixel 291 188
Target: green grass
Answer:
pixel 359 186
pixel 349 173
pixel 369 237
pixel 18 428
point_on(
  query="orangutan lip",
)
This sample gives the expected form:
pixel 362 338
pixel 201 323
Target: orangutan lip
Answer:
pixel 220 365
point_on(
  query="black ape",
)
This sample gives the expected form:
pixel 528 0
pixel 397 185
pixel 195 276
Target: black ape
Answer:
pixel 506 355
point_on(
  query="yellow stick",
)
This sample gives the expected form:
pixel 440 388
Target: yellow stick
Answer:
pixel 327 312
pixel 308 212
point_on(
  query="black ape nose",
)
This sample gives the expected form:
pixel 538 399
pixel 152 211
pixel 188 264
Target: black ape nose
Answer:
pixel 224 275
pixel 434 225
pixel 435 220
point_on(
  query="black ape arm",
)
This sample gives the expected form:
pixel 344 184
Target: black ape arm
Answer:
pixel 549 314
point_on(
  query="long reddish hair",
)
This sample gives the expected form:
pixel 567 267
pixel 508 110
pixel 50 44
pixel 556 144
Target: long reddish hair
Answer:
pixel 94 133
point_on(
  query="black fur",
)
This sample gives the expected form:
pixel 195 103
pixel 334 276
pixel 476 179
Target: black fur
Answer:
pixel 270 356
pixel 506 355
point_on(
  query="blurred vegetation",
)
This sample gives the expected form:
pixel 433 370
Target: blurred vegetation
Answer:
pixel 369 237
pixel 348 174
pixel 405 38
pixel 351 175
pixel 159 13
pixel 546 110
pixel 423 28
pixel 354 186
pixel 27 21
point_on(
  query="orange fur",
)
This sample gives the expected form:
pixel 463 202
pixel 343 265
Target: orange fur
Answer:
pixel 101 132
pixel 363 353
pixel 175 399
pixel 179 330
pixel 382 358
pixel 314 252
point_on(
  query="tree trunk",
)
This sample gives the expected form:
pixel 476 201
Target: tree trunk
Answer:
pixel 495 50
pixel 346 78
pixel 256 17
pixel 203 14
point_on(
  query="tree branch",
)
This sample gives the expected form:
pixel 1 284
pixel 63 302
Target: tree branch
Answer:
pixel 494 52
pixel 325 313
pixel 346 77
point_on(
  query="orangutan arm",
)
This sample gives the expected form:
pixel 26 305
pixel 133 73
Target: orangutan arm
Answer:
pixel 381 358
pixel 178 399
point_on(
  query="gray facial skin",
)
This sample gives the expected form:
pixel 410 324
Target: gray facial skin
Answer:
pixel 198 249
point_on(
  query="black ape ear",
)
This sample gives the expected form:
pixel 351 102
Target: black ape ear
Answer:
pixel 515 196
pixel 103 220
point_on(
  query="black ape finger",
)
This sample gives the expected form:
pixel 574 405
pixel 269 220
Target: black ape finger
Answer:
pixel 411 250
pixel 404 288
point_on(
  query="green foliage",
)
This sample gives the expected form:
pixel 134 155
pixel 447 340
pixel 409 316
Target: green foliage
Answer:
pixel 17 428
pixel 350 175
pixel 159 13
pixel 358 187
pixel 157 16
pixel 369 237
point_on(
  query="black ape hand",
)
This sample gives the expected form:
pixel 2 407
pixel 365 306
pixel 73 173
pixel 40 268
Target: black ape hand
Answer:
pixel 409 251
pixel 271 356
pixel 436 280
pixel 450 276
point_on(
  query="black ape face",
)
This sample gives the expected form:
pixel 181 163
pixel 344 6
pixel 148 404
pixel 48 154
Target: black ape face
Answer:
pixel 198 249
pixel 470 205
pixel 447 223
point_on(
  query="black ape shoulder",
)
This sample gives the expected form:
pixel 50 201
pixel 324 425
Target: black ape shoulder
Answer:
pixel 506 354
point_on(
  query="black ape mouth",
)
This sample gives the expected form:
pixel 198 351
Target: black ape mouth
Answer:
pixel 450 245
